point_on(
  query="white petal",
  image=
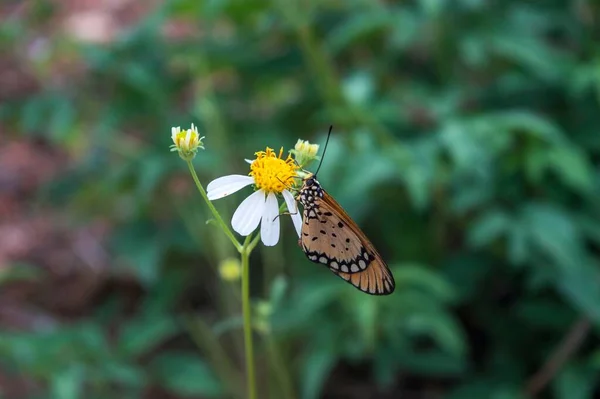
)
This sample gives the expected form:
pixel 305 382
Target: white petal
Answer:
pixel 223 186
pixel 249 161
pixel 247 216
pixel 174 132
pixel 188 138
pixel 269 226
pixel 293 209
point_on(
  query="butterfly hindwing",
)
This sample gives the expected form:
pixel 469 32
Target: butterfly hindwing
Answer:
pixel 330 237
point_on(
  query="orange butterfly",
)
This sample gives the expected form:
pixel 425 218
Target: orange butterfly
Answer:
pixel 330 237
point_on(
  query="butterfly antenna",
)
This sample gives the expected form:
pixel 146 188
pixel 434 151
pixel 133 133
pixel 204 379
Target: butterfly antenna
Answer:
pixel 325 149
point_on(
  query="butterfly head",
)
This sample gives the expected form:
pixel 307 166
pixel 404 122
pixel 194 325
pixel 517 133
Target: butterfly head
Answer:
pixel 311 189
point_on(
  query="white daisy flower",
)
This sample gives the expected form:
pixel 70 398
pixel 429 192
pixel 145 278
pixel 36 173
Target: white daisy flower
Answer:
pixel 271 175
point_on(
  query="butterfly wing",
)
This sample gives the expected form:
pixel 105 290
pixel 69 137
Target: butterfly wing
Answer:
pixel 330 237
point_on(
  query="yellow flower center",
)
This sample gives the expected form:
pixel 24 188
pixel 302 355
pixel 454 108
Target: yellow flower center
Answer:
pixel 186 142
pixel 271 173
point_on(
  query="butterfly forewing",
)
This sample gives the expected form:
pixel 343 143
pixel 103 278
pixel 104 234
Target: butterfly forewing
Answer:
pixel 330 237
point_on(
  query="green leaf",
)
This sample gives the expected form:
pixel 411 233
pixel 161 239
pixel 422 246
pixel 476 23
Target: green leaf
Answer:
pixel 575 382
pixel 279 287
pixel 316 368
pixel 358 87
pixel 357 28
pixel 410 275
pixel 489 227
pixel 68 384
pixel 580 286
pixel 433 364
pixel 571 165
pixel 186 375
pixel 141 336
pixel 124 374
pixel 442 328
pixel 141 248
pixel 553 232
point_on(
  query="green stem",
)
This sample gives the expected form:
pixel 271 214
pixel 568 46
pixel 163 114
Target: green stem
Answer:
pixel 214 211
pixel 246 310
pixel 245 250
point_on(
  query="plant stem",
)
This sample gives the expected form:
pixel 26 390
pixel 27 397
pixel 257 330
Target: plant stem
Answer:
pixel 214 211
pixel 245 250
pixel 246 310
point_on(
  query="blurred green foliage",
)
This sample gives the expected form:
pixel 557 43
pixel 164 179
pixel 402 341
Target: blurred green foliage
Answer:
pixel 466 145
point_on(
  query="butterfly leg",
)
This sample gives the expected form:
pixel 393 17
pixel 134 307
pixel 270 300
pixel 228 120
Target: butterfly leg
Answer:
pixel 285 213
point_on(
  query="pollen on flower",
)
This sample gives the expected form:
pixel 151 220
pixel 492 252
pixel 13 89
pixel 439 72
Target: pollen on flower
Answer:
pixel 272 173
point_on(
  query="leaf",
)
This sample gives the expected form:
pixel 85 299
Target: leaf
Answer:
pixel 124 374
pixel 489 227
pixel 575 382
pixel 186 375
pixel 68 384
pixel 580 285
pixel 532 54
pixel 141 336
pixel 357 28
pixel 553 232
pixel 418 171
pixel 62 118
pixel 140 245
pixel 464 147
pixel 358 87
pixel 279 287
pixel 442 328
pixel 409 275
pixel 317 366
pixel 571 165
pixel 518 243
pixel 516 122
pixel 433 364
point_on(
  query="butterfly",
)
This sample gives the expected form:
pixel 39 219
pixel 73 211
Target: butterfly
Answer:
pixel 330 237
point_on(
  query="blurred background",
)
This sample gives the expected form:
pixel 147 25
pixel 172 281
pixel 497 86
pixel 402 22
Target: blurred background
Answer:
pixel 466 144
